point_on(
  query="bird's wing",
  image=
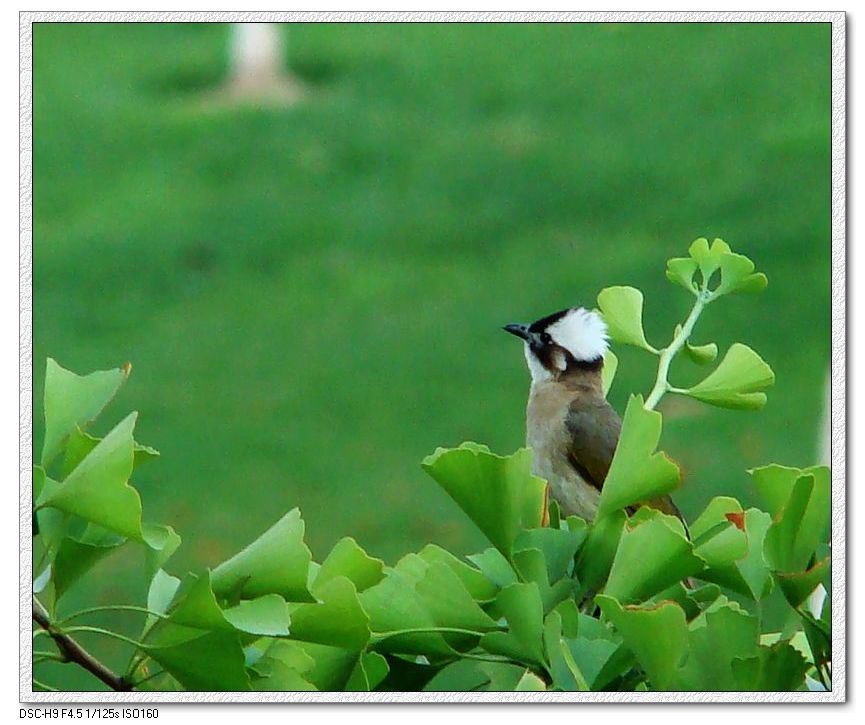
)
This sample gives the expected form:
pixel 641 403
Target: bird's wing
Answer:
pixel 594 427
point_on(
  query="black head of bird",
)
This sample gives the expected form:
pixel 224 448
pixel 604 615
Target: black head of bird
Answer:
pixel 567 341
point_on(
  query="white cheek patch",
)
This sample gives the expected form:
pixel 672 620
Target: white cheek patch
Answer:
pixel 539 372
pixel 559 360
pixel 582 333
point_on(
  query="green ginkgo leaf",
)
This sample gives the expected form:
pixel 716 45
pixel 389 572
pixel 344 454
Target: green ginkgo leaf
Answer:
pixel 565 672
pixel 608 371
pixel 532 567
pixel 449 602
pixel 481 588
pixel 737 275
pixel 98 490
pixel 370 670
pixel 651 557
pixel 202 660
pixel 753 566
pixel 264 616
pixel 721 634
pixel 74 401
pixel 394 606
pixel 337 619
pixel 160 595
pixel 680 271
pixel 719 533
pixel 162 542
pixel 789 545
pixel 349 560
pixel 708 258
pixel 597 554
pixel 277 562
pixel 797 586
pixel 637 473
pixel 498 493
pixel 622 308
pixel 775 484
pixel 79 443
pixel 523 609
pixel 557 545
pixel 657 635
pixel 699 354
pixel 195 606
pixel 779 668
pixel 495 567
pixel 736 381
pixel 271 675
pixel 530 682
pixel 77 555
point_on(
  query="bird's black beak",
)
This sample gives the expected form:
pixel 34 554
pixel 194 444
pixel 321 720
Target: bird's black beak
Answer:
pixel 515 328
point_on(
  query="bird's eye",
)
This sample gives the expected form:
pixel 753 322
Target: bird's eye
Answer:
pixel 546 338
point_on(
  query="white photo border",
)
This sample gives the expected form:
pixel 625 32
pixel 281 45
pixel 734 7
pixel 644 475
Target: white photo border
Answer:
pixel 838 382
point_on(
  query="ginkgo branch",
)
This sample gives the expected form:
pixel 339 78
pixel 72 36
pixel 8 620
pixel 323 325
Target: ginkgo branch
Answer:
pixel 662 385
pixel 72 651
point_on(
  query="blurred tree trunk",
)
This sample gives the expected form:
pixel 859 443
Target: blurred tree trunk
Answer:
pixel 824 454
pixel 257 63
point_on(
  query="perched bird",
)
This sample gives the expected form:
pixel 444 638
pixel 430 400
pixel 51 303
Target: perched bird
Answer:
pixel 570 427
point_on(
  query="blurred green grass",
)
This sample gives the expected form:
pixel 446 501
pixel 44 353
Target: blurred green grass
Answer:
pixel 312 296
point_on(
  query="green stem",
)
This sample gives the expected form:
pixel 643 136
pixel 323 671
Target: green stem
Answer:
pixel 39 656
pixel 105 632
pixel 668 353
pixel 425 630
pixel 575 670
pixel 45 687
pixel 110 608
pixel 820 675
pixel 484 658
pixel 74 652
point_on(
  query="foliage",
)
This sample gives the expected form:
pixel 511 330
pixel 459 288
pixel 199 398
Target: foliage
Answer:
pixel 623 602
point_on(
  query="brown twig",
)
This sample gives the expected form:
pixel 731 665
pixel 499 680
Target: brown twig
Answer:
pixel 74 652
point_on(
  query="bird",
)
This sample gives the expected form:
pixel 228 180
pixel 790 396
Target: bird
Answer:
pixel 571 428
